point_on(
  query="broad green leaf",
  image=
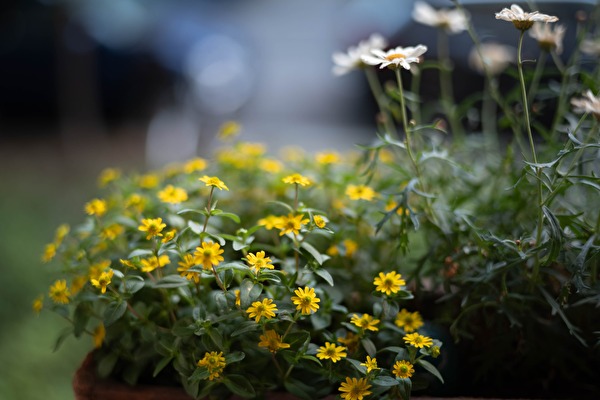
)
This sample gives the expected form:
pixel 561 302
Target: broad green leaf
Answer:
pixel 161 365
pixel 319 258
pixel 369 346
pixel 240 385
pixel 234 357
pixel 169 281
pixel 245 327
pixel 431 368
pixel 114 311
pixel 387 381
pixel 323 273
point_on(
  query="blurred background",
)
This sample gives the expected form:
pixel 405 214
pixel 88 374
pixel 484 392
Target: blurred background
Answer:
pixel 135 84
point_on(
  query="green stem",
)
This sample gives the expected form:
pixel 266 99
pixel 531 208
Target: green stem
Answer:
pixel 538 170
pixel 537 75
pixel 379 98
pixel 446 89
pixel 208 208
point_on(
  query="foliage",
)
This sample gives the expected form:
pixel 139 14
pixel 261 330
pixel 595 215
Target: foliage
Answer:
pixel 300 268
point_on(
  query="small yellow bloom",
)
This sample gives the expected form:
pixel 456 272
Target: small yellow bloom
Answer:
pixel 370 364
pixel 136 202
pixel 148 181
pixel 108 175
pixel 170 235
pixel 214 182
pixel 291 224
pixel 417 340
pixel 49 252
pixel 152 226
pixel 188 262
pixel 328 158
pixel 331 352
pixel 97 268
pixel 354 389
pixel 99 335
pixel 252 150
pixel 77 283
pixel 270 165
pixel 297 179
pixel 96 207
pixel 403 369
pixel 173 195
pixel 38 304
pixel 306 300
pixel 229 129
pixel 350 341
pixel 112 231
pixel 151 263
pixel 365 322
pixel 270 221
pixel 196 164
pixel 103 280
pixel 409 321
pixel 319 221
pixel 61 232
pixel 389 283
pixel 209 255
pixel 238 297
pixel 265 308
pixel 214 362
pixel 126 263
pixel 272 341
pixel 59 292
pixel 360 192
pixel 258 261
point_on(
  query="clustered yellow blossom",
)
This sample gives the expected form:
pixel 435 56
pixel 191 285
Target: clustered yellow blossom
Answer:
pixel 213 181
pixel 297 179
pixel 173 195
pixel 417 340
pixel 153 262
pixel 354 389
pixel 103 280
pixel 152 226
pixel 409 321
pixel 360 192
pixel 330 351
pixel 403 369
pixel 271 340
pixel 96 207
pixel 215 364
pixel 258 261
pixel 208 255
pixel 365 322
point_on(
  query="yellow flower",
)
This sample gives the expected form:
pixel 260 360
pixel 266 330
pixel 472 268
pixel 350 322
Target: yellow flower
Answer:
pixel 350 341
pixel 59 292
pixel 400 210
pixel 148 181
pixel 388 283
pixel 331 352
pixel 360 192
pixel 229 129
pixel 214 362
pixel 328 158
pixel 78 283
pixel 297 179
pixel 238 297
pixel 98 268
pixel 107 176
pixel 417 340
pixel 270 165
pixel 409 321
pixel 136 202
pixel 151 263
pixel 366 322
pixel 351 246
pixel 112 231
pixel 126 263
pixel 99 335
pixel 38 304
pixel 291 224
pixel 306 300
pixel 173 195
pixel 370 364
pixel 319 221
pixel 169 236
pixel 265 308
pixel 152 226
pixel 252 150
pixel 354 389
pixel 49 252
pixel 214 182
pixel 103 280
pixel 258 261
pixel 188 262
pixel 61 232
pixel 196 164
pixel 269 222
pixel 208 255
pixel 96 207
pixel 272 341
pixel 403 369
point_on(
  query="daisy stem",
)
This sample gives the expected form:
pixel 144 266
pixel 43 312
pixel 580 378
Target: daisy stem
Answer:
pixel 379 96
pixel 538 170
pixel 408 141
pixel 535 81
pixel 446 90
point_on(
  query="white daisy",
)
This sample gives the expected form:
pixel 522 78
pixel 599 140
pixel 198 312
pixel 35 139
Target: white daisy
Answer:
pixel 496 57
pixel 591 46
pixel 400 56
pixel 351 60
pixel 521 19
pixel 452 21
pixel 547 37
pixel 588 104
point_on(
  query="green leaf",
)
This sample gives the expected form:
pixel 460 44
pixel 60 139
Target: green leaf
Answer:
pixel 386 381
pixel 106 364
pixel 369 346
pixel 356 364
pixel 231 216
pixel 405 386
pixel 298 388
pixel 319 258
pixel 132 284
pixel 431 368
pixel 81 317
pixel 169 281
pixel 249 292
pixel 245 327
pixel 114 311
pixel 234 357
pixel 61 338
pixel 199 374
pixel 140 253
pixel 239 385
pixel 323 273
pixel 195 227
pixel 161 365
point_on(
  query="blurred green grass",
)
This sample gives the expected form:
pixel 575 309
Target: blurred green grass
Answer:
pixel 40 188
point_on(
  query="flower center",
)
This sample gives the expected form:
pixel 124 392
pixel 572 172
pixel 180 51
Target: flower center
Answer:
pixel 394 56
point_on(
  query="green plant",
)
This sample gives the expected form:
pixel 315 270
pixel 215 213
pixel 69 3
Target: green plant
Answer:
pixel 303 266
